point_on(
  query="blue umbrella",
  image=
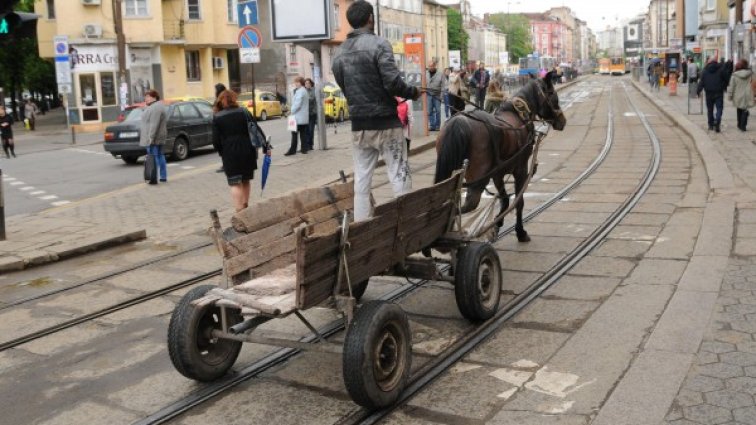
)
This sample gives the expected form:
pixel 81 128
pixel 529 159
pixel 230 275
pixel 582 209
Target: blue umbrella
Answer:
pixel 265 170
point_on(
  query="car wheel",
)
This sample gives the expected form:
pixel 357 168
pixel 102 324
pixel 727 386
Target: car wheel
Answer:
pixel 129 159
pixel 180 149
pixel 341 115
pixel 263 116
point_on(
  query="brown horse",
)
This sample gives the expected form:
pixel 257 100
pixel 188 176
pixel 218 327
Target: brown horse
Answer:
pixel 498 144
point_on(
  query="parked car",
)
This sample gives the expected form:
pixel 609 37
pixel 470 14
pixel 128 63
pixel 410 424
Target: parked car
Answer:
pixel 127 110
pixel 189 127
pixel 266 103
pixel 335 105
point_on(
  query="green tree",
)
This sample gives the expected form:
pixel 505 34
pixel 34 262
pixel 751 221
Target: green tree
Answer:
pixel 457 37
pixel 517 29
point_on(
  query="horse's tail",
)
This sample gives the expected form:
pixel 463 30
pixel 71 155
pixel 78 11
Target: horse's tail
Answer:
pixel 453 148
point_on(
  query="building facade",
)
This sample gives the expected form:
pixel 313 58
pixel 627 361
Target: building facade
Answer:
pixel 547 35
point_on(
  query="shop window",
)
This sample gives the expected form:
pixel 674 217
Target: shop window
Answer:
pixel 108 88
pixel 193 65
pixel 193 9
pixel 50 9
pixel 135 7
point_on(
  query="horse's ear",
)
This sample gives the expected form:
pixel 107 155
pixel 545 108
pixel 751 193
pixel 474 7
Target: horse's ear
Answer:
pixel 548 78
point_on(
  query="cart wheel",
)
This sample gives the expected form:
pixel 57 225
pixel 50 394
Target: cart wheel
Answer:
pixel 477 281
pixel 377 354
pixel 193 352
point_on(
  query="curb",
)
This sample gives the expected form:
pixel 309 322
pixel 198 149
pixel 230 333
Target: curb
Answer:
pixel 70 250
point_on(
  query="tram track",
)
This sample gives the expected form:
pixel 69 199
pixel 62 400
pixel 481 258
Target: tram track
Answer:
pixel 282 355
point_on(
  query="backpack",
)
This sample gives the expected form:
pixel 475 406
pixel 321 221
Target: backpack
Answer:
pixel 403 110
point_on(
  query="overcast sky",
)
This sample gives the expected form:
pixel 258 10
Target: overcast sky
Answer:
pixel 597 13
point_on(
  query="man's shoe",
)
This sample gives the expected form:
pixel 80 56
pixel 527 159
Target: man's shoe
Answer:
pixel 304 151
pixel 718 129
pixel 289 153
pixel 711 128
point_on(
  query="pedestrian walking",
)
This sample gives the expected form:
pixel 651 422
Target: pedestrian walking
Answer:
pixel 6 133
pixel 684 69
pixel 447 107
pixel 480 80
pixel 727 70
pixel 404 110
pixel 219 88
pixel 300 108
pixel 366 71
pixel 712 82
pixel 154 130
pixel 313 112
pixel 231 139
pixel 494 97
pixel 739 91
pixel 434 90
pixel 458 91
pixel 30 113
pixel 692 71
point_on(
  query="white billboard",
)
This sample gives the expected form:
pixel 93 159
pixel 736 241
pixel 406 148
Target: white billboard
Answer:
pixel 455 59
pixel 300 20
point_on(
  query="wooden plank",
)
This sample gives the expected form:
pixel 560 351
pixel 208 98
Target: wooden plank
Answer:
pixel 281 261
pixel 245 300
pixel 420 231
pixel 250 259
pixel 275 210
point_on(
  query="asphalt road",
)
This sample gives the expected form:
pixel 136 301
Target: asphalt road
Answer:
pixel 51 172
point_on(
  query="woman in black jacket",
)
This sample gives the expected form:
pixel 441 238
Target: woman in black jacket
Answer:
pixel 231 140
pixel 6 132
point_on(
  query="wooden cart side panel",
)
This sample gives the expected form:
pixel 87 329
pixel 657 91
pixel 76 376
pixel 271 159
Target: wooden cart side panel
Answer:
pixel 275 210
pixel 256 256
pixel 318 259
pixel 419 231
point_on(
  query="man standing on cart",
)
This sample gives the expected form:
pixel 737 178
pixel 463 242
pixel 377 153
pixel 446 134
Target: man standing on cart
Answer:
pixel 366 72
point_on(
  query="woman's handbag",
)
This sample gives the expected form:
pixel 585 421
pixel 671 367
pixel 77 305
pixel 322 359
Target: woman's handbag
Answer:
pixel 291 123
pixel 256 135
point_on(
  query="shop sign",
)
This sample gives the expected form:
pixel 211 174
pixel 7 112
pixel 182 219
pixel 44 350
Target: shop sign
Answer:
pixel 94 58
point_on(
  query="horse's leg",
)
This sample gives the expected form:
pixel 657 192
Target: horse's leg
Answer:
pixel 520 176
pixel 503 196
pixel 472 199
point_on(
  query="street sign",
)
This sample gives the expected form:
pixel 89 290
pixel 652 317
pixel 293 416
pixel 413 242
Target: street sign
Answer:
pixel 249 37
pixel 246 13
pixel 62 61
pixel 249 55
pixel 64 88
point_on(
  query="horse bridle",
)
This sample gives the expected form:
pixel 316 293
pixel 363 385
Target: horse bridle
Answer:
pixel 547 99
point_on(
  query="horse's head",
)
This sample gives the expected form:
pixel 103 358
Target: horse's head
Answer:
pixel 547 101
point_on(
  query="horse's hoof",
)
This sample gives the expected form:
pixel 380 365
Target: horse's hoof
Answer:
pixel 523 237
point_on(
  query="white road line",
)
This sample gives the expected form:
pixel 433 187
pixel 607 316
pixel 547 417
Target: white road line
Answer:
pixel 17 183
pixel 172 165
pixel 48 197
pixel 59 203
pixel 8 179
pixel 37 192
pixel 27 188
pixel 187 167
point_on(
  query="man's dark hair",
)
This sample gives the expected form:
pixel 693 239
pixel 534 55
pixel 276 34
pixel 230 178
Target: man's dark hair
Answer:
pixel 359 13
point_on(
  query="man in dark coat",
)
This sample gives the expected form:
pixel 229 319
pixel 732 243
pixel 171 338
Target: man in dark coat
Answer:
pixel 480 80
pixel 713 83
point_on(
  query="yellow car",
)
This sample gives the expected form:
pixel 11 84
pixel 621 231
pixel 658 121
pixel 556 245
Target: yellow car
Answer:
pixel 266 102
pixel 334 104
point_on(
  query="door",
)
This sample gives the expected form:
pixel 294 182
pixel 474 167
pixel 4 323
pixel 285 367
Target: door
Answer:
pixel 193 124
pixel 207 119
pixel 88 99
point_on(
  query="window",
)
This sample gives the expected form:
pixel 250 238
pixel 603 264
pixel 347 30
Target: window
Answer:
pixel 50 9
pixel 193 65
pixel 188 112
pixel 108 88
pixel 231 10
pixel 135 7
pixel 205 109
pixel 710 4
pixel 292 53
pixel 336 23
pixel 193 9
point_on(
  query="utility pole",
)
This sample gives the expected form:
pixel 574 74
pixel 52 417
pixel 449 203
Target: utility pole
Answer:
pixel 121 43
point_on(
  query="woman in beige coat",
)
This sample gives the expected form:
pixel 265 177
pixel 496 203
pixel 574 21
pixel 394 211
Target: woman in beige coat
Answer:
pixel 739 91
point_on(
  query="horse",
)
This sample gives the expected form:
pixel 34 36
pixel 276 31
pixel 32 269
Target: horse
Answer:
pixel 498 144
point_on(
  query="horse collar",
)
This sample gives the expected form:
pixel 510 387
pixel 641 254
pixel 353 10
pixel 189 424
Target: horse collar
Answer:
pixel 522 108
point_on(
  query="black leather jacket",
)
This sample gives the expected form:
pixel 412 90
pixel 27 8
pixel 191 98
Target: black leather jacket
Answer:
pixel 712 80
pixel 365 70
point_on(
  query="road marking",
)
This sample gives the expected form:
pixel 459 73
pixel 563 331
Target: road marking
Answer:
pixel 27 188
pixel 37 192
pixel 187 167
pixel 17 183
pixel 172 164
pixel 59 203
pixel 48 197
pixel 8 179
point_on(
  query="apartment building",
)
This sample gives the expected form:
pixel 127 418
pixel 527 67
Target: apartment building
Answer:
pixel 178 47
pixel 436 33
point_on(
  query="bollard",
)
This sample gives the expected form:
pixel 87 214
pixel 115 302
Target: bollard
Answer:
pixel 2 208
pixel 73 135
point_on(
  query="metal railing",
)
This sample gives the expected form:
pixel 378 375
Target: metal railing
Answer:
pixel 173 29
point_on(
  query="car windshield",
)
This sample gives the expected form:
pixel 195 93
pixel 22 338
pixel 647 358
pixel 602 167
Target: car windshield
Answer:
pixel 134 114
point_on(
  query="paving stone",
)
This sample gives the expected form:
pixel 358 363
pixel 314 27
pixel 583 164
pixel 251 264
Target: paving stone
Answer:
pixel 582 288
pixel 657 272
pixel 622 248
pixel 707 414
pixel 91 413
pixel 720 370
pixel 745 415
pixel 533 418
pixel 740 359
pixel 703 384
pixel 154 392
pixel 704 357
pixel 511 345
pixel 527 261
pixel 728 399
pixel 602 266
pixel 742 384
pixel 747 326
pixel 689 398
pixel 750 371
pixel 561 314
pixel 747 346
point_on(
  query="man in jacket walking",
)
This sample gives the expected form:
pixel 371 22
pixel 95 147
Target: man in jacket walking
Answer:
pixel 712 82
pixel 154 130
pixel 480 79
pixel 366 72
pixel 692 71
pixel 435 83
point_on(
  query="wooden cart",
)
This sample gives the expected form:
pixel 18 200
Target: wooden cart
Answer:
pixel 288 254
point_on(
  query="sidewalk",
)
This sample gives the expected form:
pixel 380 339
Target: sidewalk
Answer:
pixel 699 364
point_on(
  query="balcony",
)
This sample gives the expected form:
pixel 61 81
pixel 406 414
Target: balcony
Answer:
pixel 173 30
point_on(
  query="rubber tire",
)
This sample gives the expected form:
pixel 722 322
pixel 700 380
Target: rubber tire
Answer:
pixel 373 321
pixel 263 116
pixel 183 341
pixel 180 149
pixel 474 304
pixel 341 115
pixel 130 159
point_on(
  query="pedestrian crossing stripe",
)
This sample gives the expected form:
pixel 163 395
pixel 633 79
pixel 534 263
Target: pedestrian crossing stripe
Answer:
pixel 59 203
pixel 48 197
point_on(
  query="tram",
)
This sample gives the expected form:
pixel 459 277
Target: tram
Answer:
pixel 536 65
pixel 617 65
pixel 604 66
